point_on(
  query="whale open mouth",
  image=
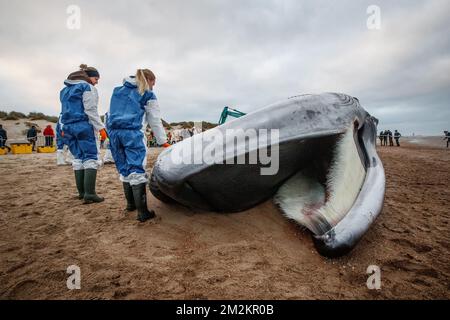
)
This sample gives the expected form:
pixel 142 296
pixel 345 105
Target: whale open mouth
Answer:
pixel 321 194
pixel 329 177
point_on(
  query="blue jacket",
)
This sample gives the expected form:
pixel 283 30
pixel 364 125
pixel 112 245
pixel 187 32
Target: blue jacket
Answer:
pixel 3 134
pixel 79 102
pixel 131 111
pixel 31 133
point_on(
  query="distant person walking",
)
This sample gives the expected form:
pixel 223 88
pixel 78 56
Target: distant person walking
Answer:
pixel 447 136
pixel 3 136
pixel 80 125
pixel 49 135
pixel 397 136
pixel 32 136
pixel 133 107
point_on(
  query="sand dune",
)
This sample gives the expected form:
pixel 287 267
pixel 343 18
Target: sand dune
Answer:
pixel 188 254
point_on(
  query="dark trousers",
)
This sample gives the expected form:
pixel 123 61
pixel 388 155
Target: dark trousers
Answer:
pixel 391 143
pixel 2 142
pixel 397 142
pixel 33 142
pixel 48 141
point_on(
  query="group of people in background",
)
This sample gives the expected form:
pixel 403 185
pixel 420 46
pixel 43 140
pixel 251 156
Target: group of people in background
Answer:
pixel 387 136
pixel 174 136
pixel 32 136
pixel 133 106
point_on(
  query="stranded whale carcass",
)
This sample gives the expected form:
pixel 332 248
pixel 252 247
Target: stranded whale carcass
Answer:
pixel 314 154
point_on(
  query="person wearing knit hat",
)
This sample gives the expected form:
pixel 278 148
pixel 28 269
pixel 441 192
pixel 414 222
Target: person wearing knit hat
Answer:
pixel 80 125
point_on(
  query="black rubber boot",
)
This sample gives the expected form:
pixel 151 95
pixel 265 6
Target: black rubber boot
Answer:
pixel 140 199
pixel 79 180
pixel 131 206
pixel 90 176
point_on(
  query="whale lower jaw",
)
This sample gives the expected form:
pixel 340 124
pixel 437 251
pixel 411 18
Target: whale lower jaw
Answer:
pixel 319 207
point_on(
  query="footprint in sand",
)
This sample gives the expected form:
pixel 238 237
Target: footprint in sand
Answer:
pixel 24 289
pixel 417 247
pixel 416 268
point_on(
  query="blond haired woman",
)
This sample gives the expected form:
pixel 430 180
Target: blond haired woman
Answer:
pixel 133 106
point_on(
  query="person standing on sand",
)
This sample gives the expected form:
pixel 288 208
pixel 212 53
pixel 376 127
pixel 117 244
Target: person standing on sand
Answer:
pixel 385 137
pixel 102 142
pixel 32 137
pixel 447 136
pixel 133 106
pixel 49 135
pixel 397 136
pixel 391 142
pixel 381 137
pixel 3 136
pixel 80 123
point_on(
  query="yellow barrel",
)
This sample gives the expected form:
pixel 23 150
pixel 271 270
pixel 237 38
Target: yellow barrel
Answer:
pixel 46 149
pixel 21 148
pixel 3 151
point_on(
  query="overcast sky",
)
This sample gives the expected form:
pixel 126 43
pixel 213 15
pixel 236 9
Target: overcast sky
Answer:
pixel 243 54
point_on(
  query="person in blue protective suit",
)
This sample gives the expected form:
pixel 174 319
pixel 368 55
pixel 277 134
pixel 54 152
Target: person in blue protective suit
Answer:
pixel 108 158
pixel 133 106
pixel 61 147
pixel 80 124
pixel 60 143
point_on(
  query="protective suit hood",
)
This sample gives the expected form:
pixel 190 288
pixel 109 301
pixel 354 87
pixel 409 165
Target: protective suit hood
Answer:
pixel 130 82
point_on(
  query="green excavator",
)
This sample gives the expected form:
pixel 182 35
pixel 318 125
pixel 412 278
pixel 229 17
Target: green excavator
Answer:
pixel 227 111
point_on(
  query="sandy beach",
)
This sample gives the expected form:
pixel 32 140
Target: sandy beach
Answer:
pixel 188 254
